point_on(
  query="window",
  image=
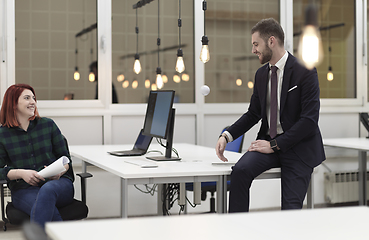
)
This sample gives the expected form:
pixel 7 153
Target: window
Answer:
pixel 337 28
pixel 124 42
pixel 231 69
pixel 45 46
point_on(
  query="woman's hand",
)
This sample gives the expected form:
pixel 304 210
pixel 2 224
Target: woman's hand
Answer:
pixel 30 176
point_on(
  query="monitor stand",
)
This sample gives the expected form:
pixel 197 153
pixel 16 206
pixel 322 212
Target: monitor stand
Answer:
pixel 169 144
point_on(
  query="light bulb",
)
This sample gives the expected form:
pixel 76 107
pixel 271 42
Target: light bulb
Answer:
pixel 204 54
pixel 330 74
pixel 147 83
pixel 250 84
pixel 134 84
pixel 125 84
pixel 239 82
pixel 185 77
pixel 153 87
pixel 76 75
pixel 176 79
pixel 91 77
pixel 137 65
pixel 310 47
pixel 165 78
pixel 120 77
pixel 180 67
pixel 159 79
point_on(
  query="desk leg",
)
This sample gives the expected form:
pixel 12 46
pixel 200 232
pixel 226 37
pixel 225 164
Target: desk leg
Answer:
pixel 159 205
pixel 222 194
pixel 124 197
pixel 84 167
pixel 362 178
pixel 310 193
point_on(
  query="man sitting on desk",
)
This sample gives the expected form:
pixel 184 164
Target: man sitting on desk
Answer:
pixel 286 100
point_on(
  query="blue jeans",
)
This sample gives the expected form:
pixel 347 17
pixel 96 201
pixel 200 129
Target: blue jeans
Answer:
pixel 42 203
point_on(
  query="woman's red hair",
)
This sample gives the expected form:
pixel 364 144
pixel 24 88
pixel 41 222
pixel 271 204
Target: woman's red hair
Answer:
pixel 8 116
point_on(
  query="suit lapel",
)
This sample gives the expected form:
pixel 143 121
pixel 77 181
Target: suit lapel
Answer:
pixel 286 80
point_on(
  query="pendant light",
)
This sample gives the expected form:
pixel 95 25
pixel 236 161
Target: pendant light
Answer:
pixel 76 74
pixel 176 78
pixel 204 54
pixel 91 75
pixel 330 73
pixel 137 64
pixel 180 66
pixel 159 80
pixel 310 46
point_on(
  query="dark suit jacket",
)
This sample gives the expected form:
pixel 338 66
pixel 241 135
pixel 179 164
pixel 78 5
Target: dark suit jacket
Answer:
pixel 299 112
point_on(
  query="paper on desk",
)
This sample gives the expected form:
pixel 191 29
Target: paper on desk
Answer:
pixel 54 168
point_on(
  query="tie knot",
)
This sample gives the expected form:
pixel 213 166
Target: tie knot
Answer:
pixel 274 69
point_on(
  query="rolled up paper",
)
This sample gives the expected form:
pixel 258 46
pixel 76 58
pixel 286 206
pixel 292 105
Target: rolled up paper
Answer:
pixel 54 168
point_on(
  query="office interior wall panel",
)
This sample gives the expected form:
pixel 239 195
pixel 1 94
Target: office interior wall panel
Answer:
pixel 82 130
pixel 126 128
pixel 185 129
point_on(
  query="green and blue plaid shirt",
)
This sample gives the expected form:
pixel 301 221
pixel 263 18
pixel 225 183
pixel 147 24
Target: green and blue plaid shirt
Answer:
pixel 35 148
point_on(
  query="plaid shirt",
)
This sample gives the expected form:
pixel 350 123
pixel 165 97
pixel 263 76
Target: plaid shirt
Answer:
pixel 35 148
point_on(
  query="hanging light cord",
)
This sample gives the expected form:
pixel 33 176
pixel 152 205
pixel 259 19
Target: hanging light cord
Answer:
pixel 76 52
pixel 204 7
pixel 179 23
pixel 158 40
pixel 136 29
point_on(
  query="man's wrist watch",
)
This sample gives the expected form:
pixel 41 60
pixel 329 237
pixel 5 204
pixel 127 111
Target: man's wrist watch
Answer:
pixel 225 137
pixel 273 145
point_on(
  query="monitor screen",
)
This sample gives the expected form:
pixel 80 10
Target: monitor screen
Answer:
pixel 158 113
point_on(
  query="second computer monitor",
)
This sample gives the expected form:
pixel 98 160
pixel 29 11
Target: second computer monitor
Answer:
pixel 159 119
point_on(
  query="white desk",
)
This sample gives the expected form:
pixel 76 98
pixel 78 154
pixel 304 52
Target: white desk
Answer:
pixel 362 145
pixel 195 166
pixel 328 223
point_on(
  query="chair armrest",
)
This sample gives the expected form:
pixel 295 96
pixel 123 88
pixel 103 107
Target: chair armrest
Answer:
pixel 83 177
pixel 2 182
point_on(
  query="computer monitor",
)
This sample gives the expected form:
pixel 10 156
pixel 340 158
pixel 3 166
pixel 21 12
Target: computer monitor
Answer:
pixel 364 119
pixel 159 120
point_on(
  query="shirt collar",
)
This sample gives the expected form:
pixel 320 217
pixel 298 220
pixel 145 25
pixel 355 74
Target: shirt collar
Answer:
pixel 281 63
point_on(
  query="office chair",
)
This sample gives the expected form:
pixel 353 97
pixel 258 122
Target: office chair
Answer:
pixel 77 210
pixel 235 146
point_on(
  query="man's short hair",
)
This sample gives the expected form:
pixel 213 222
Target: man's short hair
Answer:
pixel 269 27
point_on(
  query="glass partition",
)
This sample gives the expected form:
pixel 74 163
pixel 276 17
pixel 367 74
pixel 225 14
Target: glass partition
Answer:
pixel 337 28
pixel 134 88
pixel 47 51
pixel 231 69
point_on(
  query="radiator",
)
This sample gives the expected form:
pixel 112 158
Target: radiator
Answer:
pixel 342 187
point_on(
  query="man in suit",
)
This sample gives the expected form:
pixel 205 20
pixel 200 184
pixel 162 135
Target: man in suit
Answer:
pixel 290 137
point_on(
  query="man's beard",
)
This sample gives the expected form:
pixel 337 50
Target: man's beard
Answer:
pixel 266 55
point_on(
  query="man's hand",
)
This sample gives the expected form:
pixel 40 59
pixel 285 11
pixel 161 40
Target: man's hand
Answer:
pixel 262 146
pixel 220 147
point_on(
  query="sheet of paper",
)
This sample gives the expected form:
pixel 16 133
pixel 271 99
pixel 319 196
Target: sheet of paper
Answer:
pixel 54 168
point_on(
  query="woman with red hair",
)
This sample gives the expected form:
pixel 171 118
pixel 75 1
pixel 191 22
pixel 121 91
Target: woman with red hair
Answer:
pixel 28 143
